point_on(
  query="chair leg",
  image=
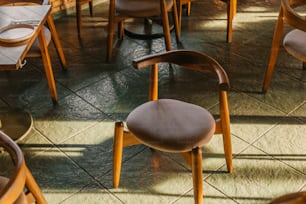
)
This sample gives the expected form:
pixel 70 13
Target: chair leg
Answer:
pixel 110 42
pixel 90 4
pixel 196 156
pixel 79 16
pixel 57 42
pixel 304 65
pixel 180 12
pixel 231 6
pixel 111 30
pixel 225 120
pixel 166 27
pixel 47 66
pixel 187 158
pixel 117 153
pixel 177 24
pixel 188 8
pixel 274 51
pixel 222 127
pixel 34 188
pixel 228 151
pixel 120 30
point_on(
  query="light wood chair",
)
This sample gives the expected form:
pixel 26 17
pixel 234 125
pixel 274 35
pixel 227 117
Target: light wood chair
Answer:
pixel 21 187
pixel 120 10
pixel 50 31
pixel 294 41
pixel 175 126
pixel 79 4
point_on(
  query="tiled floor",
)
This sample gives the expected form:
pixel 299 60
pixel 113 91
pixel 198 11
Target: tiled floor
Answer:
pixel 69 148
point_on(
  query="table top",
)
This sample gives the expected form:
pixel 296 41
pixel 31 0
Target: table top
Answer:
pixel 11 57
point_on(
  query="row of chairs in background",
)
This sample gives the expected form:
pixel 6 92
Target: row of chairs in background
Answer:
pixel 293 42
pixel 119 10
pixel 80 3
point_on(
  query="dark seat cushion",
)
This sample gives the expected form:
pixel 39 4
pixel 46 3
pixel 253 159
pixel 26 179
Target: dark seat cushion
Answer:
pixel 141 8
pixel 21 199
pixel 295 43
pixel 171 125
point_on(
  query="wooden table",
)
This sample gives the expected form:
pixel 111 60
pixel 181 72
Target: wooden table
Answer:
pixel 11 58
pixel 17 123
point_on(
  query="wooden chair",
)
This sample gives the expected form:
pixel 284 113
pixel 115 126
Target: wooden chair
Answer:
pixel 50 31
pixel 175 126
pixel 294 42
pixel 120 10
pixel 79 4
pixel 21 187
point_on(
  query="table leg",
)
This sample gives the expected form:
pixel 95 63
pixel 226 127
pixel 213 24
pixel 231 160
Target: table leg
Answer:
pixel 147 28
pixel 47 65
pixel 57 42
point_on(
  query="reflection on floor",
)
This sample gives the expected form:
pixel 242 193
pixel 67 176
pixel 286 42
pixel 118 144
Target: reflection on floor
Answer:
pixel 69 149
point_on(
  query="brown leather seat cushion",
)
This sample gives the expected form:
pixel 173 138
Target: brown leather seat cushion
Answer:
pixel 171 125
pixel 141 8
pixel 21 199
pixel 295 43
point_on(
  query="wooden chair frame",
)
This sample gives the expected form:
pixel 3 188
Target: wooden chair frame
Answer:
pixel 180 9
pixel 79 4
pixel 21 178
pixel 289 16
pixel 190 60
pixel 117 18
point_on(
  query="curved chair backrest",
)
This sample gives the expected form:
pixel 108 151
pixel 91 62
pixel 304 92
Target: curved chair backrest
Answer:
pixel 190 60
pixel 20 178
pixel 292 17
pixel 16 184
